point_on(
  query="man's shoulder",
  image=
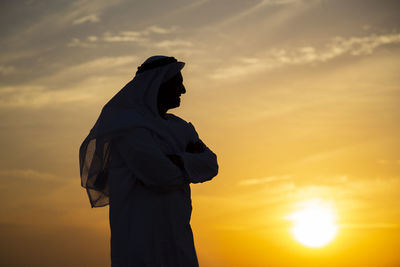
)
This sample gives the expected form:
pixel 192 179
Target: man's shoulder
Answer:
pixel 182 123
pixel 175 118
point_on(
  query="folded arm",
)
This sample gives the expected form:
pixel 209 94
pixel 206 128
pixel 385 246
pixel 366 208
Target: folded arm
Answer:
pixel 199 162
pixel 148 163
pixel 201 167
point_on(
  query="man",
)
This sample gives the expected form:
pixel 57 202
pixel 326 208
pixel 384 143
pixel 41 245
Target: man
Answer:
pixel 141 160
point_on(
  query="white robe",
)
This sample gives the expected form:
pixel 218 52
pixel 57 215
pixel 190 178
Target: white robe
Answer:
pixel 150 198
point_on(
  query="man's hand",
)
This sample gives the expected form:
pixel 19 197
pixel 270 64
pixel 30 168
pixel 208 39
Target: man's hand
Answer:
pixel 196 147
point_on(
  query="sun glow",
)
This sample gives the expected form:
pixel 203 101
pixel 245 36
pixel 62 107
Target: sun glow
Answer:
pixel 314 225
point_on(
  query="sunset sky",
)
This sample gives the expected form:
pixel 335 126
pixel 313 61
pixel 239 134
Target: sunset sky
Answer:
pixel 299 99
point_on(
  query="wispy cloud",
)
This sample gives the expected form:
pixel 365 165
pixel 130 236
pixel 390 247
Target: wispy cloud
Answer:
pixel 41 92
pixel 382 225
pixel 358 45
pixel 383 161
pixel 387 162
pixel 350 196
pixel 6 70
pixel 135 36
pixel 186 8
pixel 88 69
pixel 287 2
pixel 36 197
pixel 261 5
pixel 89 42
pixel 126 36
pixel 173 43
pixel 159 30
pixel 27 174
pixel 92 18
pixel 142 37
pixel 75 13
pixel 279 57
pixel 263 180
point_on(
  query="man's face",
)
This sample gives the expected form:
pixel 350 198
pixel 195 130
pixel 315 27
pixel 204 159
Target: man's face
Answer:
pixel 170 92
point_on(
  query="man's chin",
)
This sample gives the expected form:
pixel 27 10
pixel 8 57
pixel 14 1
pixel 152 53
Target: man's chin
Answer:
pixel 175 106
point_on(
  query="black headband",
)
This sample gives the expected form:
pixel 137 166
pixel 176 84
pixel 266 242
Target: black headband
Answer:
pixel 155 64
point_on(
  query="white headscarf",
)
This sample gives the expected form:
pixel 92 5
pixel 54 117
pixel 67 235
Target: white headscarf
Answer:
pixel 135 105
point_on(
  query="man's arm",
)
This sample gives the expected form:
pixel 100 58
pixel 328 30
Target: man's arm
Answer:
pixel 149 164
pixel 199 162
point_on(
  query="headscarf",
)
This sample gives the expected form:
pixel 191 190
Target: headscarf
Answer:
pixel 135 105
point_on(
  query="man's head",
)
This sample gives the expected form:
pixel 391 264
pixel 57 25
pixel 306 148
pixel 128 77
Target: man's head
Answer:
pixel 169 93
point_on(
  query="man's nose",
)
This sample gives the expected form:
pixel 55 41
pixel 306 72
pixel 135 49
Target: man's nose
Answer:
pixel 183 89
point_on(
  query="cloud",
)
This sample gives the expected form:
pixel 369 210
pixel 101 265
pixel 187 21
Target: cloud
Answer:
pixel 87 75
pixel 383 161
pixel 6 70
pixel 126 36
pixel 358 45
pixel 387 162
pixel 173 43
pixel 159 30
pixel 39 197
pixel 185 8
pixel 142 37
pixel 28 183
pixel 90 68
pixel 74 13
pixel 269 179
pixel 19 96
pixel 260 5
pixel 381 225
pixel 280 57
pixel 45 28
pixel 27 174
pixel 92 18
pixel 76 42
pixel 38 96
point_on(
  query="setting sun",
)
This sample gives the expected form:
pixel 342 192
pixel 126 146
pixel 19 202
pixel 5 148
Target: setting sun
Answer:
pixel 314 225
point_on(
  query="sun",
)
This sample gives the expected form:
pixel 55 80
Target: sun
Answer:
pixel 314 226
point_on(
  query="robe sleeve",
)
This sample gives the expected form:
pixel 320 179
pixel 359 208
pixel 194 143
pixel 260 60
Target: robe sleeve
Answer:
pixel 148 163
pixel 200 167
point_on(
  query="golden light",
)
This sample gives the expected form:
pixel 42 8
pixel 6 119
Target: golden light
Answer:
pixel 314 225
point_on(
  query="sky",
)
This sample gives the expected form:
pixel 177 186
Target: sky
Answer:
pixel 299 99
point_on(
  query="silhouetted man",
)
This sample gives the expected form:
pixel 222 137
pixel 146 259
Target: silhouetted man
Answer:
pixel 141 160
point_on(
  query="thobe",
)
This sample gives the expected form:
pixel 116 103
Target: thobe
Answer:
pixel 150 198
